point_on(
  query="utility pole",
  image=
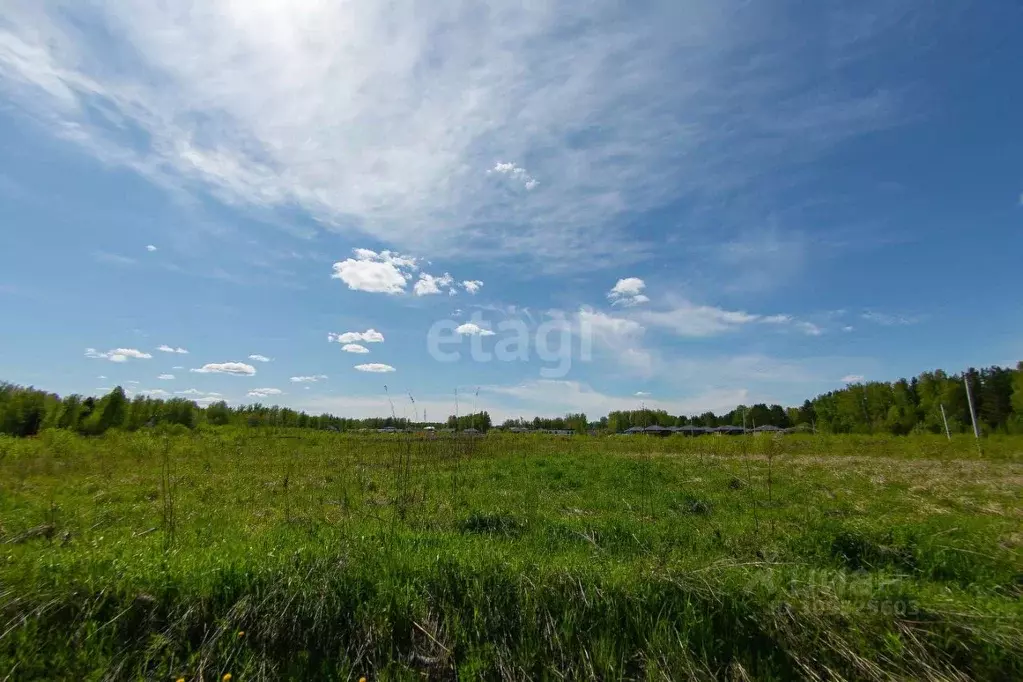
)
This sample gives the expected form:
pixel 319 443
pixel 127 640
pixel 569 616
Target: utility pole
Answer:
pixel 945 419
pixel 969 399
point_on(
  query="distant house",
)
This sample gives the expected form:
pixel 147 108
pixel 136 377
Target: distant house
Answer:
pixel 730 430
pixel 633 431
pixel 387 429
pixel 768 428
pixel 691 430
pixel 656 430
pixel 560 432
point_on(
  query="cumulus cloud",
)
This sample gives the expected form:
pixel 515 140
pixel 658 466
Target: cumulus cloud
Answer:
pixel 259 358
pixel 472 285
pixel 354 348
pixel 236 368
pixel 117 354
pixel 165 377
pixel 628 292
pixel 264 392
pixel 158 392
pixel 368 336
pixel 381 273
pixel 308 379
pixel 150 248
pixel 428 284
pixel 516 173
pixel 374 367
pixel 170 349
pixel 472 329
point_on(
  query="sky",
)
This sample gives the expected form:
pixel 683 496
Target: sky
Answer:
pixel 526 207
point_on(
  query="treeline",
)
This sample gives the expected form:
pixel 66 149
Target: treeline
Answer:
pixel 577 422
pixel 899 407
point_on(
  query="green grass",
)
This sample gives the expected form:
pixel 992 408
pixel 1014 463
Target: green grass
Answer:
pixel 509 557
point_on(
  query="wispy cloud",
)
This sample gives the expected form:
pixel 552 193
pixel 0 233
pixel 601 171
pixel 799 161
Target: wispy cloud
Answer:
pixel 308 379
pixel 259 358
pixel 150 248
pixel 891 320
pixel 274 105
pixel 264 392
pixel 236 368
pixel 165 377
pixel 117 354
pixel 852 379
pixel 170 349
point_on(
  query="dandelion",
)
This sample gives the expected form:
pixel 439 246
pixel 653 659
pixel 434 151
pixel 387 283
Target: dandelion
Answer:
pixel 241 633
pixel 226 677
pixel 362 679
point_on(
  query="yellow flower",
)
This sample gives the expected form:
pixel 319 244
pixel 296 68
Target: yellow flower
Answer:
pixel 226 677
pixel 362 679
pixel 181 679
pixel 241 633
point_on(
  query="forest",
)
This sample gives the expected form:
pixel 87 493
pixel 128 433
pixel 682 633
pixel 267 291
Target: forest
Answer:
pixel 900 407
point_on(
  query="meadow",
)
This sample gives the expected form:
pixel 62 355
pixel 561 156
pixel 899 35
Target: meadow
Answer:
pixel 170 554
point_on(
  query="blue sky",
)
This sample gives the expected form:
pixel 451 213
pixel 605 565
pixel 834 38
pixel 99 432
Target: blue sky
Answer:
pixel 686 204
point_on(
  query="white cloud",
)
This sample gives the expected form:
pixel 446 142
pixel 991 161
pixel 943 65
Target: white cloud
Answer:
pixel 354 348
pixel 380 117
pixel 308 379
pixel 428 284
pixel 472 329
pixel 259 358
pixel 472 285
pixel 382 273
pixel 777 319
pixel 374 367
pixel 150 248
pixel 117 354
pixel 890 320
pixel 847 328
pixel 195 391
pixel 264 392
pixel 516 173
pixel 852 379
pixel 156 392
pixel 641 394
pixel 809 328
pixel 177 367
pixel 368 336
pixel 165 377
pixel 689 319
pixel 101 376
pixel 628 292
pixel 170 349
pixel 133 382
pixel 236 368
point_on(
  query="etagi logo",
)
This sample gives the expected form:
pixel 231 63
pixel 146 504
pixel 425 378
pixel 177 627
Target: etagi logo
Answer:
pixel 557 341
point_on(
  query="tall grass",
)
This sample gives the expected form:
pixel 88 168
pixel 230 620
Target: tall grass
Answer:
pixel 509 557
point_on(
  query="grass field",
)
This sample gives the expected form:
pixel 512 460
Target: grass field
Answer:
pixel 310 555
